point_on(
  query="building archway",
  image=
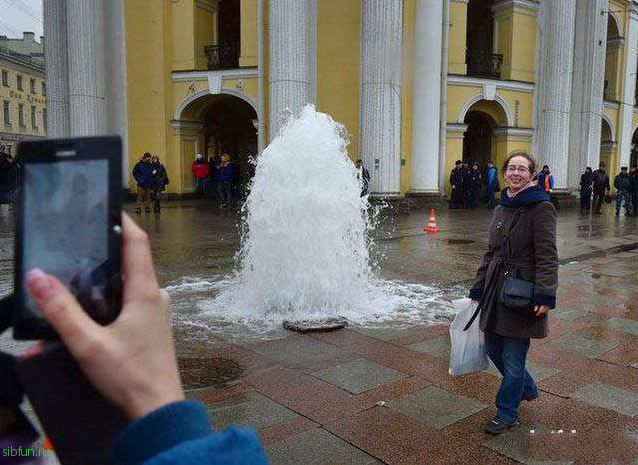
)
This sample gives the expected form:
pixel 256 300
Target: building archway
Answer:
pixel 214 124
pixel 613 56
pixel 607 145
pixel 479 140
pixel 634 149
pixel 480 58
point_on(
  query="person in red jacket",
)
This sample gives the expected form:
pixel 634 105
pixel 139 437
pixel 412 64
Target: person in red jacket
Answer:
pixel 201 170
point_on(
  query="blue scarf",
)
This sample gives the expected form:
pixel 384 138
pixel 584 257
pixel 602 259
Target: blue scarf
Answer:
pixel 530 196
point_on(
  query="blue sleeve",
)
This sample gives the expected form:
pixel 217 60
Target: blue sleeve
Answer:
pixel 180 433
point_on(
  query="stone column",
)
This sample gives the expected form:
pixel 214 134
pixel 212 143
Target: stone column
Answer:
pixel 587 88
pixel 427 97
pixel 87 93
pixel 290 61
pixel 629 91
pixel 555 87
pixel 57 70
pixel 380 96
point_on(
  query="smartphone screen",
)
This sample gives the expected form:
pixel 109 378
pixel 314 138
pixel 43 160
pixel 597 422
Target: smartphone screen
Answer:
pixel 65 233
pixel 68 226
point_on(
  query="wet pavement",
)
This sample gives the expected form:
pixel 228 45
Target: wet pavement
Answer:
pixel 383 394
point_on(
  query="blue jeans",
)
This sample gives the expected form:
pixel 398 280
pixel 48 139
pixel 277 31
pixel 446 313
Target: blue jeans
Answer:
pixel 508 354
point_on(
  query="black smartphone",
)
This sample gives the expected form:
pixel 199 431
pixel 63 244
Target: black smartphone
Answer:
pixel 68 224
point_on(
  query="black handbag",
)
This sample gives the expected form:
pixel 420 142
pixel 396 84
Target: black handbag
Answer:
pixel 516 294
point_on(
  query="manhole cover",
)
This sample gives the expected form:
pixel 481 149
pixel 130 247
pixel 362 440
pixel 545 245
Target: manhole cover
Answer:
pixel 208 372
pixel 460 241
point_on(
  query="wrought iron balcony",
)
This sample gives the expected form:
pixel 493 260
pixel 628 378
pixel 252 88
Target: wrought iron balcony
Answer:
pixel 483 64
pixel 222 56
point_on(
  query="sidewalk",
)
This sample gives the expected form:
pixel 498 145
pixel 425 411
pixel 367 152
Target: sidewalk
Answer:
pixel 384 396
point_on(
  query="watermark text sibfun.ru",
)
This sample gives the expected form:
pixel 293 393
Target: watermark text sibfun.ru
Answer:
pixel 25 452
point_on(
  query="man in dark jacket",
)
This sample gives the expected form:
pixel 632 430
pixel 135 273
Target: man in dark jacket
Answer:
pixel 456 184
pixel 622 184
pixel 8 177
pixel 143 174
pixel 586 181
pixel 601 187
pixel 161 180
pixel 633 189
pixel 467 184
pixel 474 186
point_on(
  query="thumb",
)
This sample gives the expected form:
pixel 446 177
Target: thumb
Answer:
pixel 76 329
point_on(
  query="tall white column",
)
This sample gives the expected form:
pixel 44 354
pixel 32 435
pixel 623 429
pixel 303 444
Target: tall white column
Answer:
pixel 290 60
pixel 57 70
pixel 380 96
pixel 87 92
pixel 427 97
pixel 587 88
pixel 555 87
pixel 629 90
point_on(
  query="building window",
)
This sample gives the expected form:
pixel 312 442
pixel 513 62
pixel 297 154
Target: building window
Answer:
pixel 32 82
pixel 7 114
pixel 33 122
pixel 19 82
pixel 44 118
pixel 44 88
pixel 5 78
pixel 21 115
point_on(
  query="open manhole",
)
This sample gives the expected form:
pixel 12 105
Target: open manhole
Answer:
pixel 460 241
pixel 208 372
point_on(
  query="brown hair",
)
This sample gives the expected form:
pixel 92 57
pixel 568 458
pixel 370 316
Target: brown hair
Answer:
pixel 520 153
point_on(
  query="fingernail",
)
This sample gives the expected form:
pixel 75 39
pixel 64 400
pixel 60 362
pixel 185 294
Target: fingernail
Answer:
pixel 38 282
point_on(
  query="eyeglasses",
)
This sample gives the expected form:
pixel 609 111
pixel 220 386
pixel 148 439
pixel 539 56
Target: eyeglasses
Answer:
pixel 519 169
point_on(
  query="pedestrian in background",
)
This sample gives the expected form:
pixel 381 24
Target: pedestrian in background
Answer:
pixel 161 180
pixel 201 171
pixel 363 176
pixel 545 179
pixel 466 185
pixel 586 181
pixel 225 176
pixel 622 184
pixel 521 255
pixel 491 183
pixel 475 184
pixel 633 189
pixel 143 174
pixel 601 187
pixel 8 178
pixel 456 184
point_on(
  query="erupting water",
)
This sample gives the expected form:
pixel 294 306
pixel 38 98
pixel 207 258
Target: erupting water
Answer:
pixel 305 242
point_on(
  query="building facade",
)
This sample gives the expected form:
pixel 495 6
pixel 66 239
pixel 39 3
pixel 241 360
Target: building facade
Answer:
pixel 418 84
pixel 22 90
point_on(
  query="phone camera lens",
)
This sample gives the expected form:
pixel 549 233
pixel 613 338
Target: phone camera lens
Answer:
pixel 117 229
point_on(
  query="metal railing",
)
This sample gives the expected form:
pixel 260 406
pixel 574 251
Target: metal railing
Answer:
pixel 222 56
pixel 483 64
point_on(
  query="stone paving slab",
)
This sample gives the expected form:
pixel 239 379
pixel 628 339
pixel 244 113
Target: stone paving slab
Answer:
pixel 538 372
pixel 316 447
pixel 437 347
pixel 436 407
pixel 250 410
pixel 568 314
pixel 624 325
pixel 613 398
pixel 388 333
pixel 359 376
pixel 583 345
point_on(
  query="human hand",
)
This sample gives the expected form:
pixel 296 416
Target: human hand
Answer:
pixel 540 310
pixel 131 361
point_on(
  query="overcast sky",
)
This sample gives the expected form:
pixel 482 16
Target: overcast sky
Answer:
pixel 20 15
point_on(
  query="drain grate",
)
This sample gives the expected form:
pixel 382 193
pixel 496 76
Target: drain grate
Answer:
pixel 208 372
pixel 460 241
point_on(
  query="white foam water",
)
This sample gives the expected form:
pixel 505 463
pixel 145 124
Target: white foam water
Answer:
pixel 305 251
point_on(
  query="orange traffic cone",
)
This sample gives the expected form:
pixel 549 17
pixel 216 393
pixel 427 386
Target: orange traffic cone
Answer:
pixel 431 226
pixel 47 444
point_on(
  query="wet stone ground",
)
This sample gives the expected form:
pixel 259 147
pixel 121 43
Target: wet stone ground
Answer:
pixel 383 394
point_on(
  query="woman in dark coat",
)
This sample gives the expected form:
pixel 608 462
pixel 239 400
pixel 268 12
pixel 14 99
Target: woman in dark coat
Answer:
pixel 530 255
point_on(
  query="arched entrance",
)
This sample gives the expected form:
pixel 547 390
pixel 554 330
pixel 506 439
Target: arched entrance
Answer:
pixel 607 145
pixel 612 60
pixel 634 149
pixel 479 140
pixel 220 124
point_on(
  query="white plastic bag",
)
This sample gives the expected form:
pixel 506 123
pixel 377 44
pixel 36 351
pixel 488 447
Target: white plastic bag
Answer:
pixel 467 354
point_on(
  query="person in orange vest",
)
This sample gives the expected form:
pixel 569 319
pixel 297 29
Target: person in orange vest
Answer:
pixel 201 170
pixel 545 179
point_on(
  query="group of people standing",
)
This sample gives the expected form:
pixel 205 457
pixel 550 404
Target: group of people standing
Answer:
pixel 216 175
pixel 597 183
pixel 151 178
pixel 468 184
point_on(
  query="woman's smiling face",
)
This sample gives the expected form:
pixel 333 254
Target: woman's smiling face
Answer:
pixel 518 173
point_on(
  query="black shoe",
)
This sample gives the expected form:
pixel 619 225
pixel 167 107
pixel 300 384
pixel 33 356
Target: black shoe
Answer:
pixel 531 398
pixel 498 426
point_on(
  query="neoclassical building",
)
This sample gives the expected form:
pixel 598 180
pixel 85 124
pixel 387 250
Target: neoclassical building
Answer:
pixel 418 84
